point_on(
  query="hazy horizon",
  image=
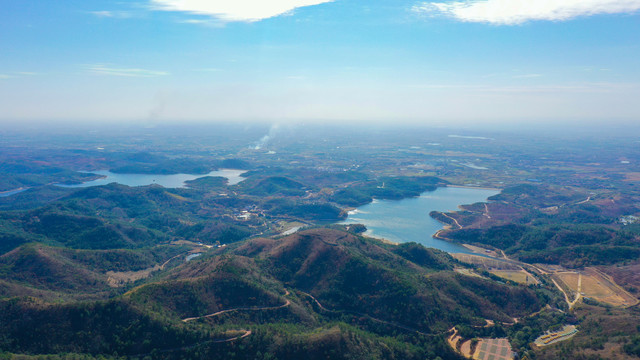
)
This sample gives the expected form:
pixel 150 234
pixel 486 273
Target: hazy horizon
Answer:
pixel 576 129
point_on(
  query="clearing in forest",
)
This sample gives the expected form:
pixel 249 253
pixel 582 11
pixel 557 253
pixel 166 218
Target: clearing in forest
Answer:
pixel 493 349
pixel 519 276
pixel 591 283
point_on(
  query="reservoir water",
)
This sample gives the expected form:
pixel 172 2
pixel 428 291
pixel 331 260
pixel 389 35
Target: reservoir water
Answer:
pixel 408 220
pixel 168 181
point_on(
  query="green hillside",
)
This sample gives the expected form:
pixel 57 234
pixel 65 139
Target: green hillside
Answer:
pixel 321 292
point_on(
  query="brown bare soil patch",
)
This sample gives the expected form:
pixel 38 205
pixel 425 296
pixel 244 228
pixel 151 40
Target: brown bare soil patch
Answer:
pixel 117 279
pixel 570 279
pixel 594 284
pixel 468 272
pixel 487 263
pixel 453 341
pixel 184 242
pixel 519 276
pixel 465 349
pixel 479 250
pixel 632 176
pixel 493 349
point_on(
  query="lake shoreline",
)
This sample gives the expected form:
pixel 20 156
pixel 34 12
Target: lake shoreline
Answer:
pixel 233 176
pixel 473 187
pixel 409 220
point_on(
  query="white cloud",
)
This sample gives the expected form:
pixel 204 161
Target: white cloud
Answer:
pixel 104 70
pixel 4 76
pixel 235 10
pixel 194 21
pixel 209 22
pixel 512 12
pixel 111 14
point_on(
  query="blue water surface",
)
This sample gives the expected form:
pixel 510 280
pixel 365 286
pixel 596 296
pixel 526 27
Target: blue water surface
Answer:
pixel 408 219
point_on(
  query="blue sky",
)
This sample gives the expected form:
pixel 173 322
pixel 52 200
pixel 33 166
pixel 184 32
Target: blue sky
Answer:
pixel 285 60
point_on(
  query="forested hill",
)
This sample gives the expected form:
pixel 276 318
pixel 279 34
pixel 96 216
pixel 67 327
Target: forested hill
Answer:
pixel 318 293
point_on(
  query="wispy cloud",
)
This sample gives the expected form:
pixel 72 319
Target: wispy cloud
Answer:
pixel 512 12
pixel 209 22
pixel 211 70
pixel 235 10
pixel 527 76
pixel 17 74
pixel 127 72
pixel 112 14
pixel 593 87
pixel 194 21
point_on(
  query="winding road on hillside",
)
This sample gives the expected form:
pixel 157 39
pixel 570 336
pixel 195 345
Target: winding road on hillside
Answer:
pixel 566 297
pixel 238 337
pixel 454 220
pixel 253 308
pixel 394 324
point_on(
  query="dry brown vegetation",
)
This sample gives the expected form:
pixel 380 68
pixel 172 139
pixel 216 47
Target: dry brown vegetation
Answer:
pixel 602 334
pixel 519 276
pixel 591 283
pixel 493 349
pixel 486 262
pixel 120 278
pixel 626 275
pixel 632 176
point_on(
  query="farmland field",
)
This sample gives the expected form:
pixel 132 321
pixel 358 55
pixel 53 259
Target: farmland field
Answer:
pixel 571 279
pixel 593 284
pixel 486 262
pixel 493 349
pixel 519 276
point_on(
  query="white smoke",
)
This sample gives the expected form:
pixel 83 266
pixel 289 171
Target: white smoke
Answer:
pixel 265 139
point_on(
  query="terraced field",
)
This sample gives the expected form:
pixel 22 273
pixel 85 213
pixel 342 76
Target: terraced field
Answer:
pixel 549 338
pixel 493 349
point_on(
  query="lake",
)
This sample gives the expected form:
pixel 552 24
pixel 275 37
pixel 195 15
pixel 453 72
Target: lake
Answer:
pixel 408 219
pixel 168 181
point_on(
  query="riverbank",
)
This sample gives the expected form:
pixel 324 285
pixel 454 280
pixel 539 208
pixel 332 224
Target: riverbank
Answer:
pixel 474 249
